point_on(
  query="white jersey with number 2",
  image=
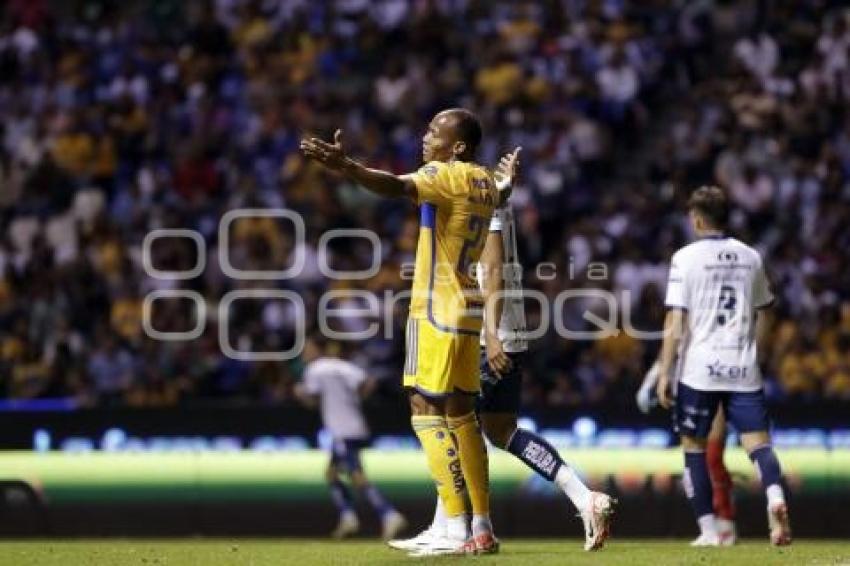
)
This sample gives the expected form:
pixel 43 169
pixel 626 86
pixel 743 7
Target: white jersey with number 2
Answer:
pixel 721 283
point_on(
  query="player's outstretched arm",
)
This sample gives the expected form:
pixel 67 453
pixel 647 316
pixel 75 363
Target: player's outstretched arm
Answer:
pixel 505 174
pixel 674 325
pixel 333 157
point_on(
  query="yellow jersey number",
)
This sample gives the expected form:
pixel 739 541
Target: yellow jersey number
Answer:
pixel 472 241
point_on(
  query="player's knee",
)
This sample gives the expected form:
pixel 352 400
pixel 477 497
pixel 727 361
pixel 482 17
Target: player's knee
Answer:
pixel 718 428
pixel 752 440
pixel 498 430
pixel 459 405
pixel 693 443
pixel 499 434
pixel 423 406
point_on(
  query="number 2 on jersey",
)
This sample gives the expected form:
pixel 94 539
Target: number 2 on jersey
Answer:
pixel 726 304
pixel 472 242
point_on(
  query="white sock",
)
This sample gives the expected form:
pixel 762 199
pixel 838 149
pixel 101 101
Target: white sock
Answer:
pixel 708 524
pixel 456 527
pixel 438 525
pixel 481 524
pixel 775 494
pixel 575 489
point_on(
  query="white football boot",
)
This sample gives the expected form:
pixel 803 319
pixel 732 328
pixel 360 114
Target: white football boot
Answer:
pixel 392 524
pixel 707 539
pixel 421 540
pixel 348 525
pixel 780 525
pixel 597 520
pixel 442 546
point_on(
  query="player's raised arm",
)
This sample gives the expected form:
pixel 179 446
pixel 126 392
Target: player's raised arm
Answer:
pixel 505 173
pixel 333 157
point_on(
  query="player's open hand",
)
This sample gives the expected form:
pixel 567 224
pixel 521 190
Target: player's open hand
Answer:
pixel 497 359
pixel 665 397
pixel 331 155
pixel 507 167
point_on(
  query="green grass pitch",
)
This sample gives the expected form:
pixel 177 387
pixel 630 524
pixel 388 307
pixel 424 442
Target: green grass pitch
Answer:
pixel 306 552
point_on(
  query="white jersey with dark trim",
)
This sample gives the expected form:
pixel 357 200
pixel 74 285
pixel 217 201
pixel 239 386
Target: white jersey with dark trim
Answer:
pixel 721 283
pixel 337 383
pixel 512 330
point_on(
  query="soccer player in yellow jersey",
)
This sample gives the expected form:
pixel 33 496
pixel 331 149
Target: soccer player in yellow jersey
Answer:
pixel 456 199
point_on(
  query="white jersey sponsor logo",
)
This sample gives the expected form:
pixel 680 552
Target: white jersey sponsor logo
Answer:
pixel 721 283
pixel 512 331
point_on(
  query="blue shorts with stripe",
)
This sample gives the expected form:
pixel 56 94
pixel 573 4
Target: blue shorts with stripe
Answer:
pixel 695 410
pixel 345 454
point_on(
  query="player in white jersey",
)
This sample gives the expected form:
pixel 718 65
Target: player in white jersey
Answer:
pixel 503 347
pixel 716 295
pixel 721 480
pixel 337 386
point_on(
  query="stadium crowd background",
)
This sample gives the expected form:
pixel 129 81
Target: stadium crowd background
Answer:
pixel 120 118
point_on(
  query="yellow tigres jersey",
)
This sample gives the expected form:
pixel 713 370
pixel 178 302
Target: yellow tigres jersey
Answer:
pixel 456 201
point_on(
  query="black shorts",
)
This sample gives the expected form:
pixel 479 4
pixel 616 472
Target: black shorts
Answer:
pixel 695 410
pixel 345 454
pixel 501 395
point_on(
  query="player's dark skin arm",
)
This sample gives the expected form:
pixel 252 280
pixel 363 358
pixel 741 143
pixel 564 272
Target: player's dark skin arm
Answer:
pixel 491 265
pixel 377 181
pixel 497 427
pixel 333 157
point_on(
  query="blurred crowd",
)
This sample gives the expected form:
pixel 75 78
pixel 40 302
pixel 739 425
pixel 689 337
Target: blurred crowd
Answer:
pixel 118 119
pixel 774 131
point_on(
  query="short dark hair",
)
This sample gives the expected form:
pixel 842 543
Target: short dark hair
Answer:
pixel 710 203
pixel 468 128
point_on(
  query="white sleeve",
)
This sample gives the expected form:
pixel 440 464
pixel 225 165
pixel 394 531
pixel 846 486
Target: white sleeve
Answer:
pixel 762 297
pixel 312 384
pixel 496 222
pixel 677 291
pixel 354 375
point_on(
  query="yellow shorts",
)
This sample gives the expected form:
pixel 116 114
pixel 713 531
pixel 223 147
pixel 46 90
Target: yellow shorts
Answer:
pixel 438 363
